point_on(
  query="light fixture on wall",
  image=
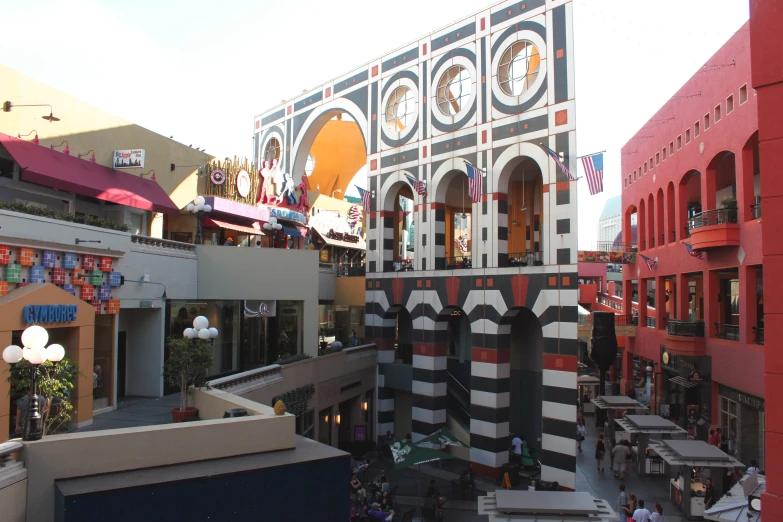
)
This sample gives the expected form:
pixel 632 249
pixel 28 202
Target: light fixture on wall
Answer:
pixel 92 158
pixel 7 106
pixel 364 405
pixel 337 418
pixel 153 177
pixel 66 150
pixel 198 207
pixel 34 140
pixel 35 351
pixel 326 419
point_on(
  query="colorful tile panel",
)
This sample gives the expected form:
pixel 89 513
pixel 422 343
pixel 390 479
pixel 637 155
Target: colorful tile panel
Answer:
pixel 5 255
pixel 104 293
pixel 3 287
pixel 88 263
pixel 106 264
pixel 49 258
pixel 13 273
pixel 36 274
pixel 26 256
pixel 58 276
pixel 68 287
pixel 69 260
pixel 115 278
pixel 96 277
pixel 113 306
pixel 87 293
pixel 77 276
pixel 96 303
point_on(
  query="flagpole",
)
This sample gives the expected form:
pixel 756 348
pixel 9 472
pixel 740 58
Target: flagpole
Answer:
pixel 593 154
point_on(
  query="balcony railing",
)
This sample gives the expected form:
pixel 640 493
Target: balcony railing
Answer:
pixel 350 270
pixel 650 322
pixel 685 328
pixel 458 262
pixel 167 244
pixel 524 259
pixel 758 334
pixel 755 209
pixel 612 246
pixel 727 331
pixel 719 216
pixel 626 320
pixel 610 303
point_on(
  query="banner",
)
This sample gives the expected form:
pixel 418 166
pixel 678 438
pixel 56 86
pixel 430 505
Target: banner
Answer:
pixel 129 159
pixel 598 256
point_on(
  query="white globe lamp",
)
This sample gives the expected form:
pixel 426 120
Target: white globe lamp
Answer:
pixel 200 322
pixel 34 355
pixel 199 201
pixel 55 353
pixel 12 354
pixel 191 207
pixel 213 332
pixel 190 333
pixel 203 334
pixel 35 337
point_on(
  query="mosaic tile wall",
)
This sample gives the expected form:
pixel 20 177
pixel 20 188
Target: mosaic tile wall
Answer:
pixel 90 278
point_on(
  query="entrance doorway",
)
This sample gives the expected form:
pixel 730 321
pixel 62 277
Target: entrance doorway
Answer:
pixel 525 341
pixel 122 363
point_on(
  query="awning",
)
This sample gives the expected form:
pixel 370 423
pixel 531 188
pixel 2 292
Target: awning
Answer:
pixel 231 226
pixel 291 232
pixel 682 381
pixel 54 169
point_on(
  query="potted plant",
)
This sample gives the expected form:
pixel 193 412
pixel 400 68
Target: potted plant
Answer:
pixel 730 204
pixel 189 360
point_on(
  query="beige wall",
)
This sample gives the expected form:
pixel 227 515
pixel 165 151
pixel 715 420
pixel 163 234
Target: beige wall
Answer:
pixel 212 404
pixel 263 273
pixel 86 127
pixel 12 502
pixel 349 291
pixel 90 453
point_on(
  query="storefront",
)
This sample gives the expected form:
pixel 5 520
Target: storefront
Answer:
pixel 741 419
pixel 85 336
pixel 686 392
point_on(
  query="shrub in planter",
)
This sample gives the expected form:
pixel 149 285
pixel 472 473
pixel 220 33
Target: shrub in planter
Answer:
pixel 188 363
pixel 730 204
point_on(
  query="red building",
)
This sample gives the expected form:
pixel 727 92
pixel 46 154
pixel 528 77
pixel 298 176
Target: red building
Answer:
pixel 691 179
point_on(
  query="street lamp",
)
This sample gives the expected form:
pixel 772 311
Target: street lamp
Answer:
pixel 200 329
pixel 198 207
pixel 34 340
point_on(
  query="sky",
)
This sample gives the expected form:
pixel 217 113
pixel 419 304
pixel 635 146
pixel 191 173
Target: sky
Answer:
pixel 201 70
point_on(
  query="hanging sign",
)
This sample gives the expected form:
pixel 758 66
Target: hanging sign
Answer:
pixel 218 177
pixel 243 183
pixel 129 159
pixel 341 236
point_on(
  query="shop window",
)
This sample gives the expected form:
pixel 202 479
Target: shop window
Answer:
pixel 519 68
pixel 687 136
pixel 717 113
pixel 696 129
pixel 706 121
pixel 272 150
pixel 679 142
pixel 454 90
pixel 728 419
pixel 730 104
pixel 743 94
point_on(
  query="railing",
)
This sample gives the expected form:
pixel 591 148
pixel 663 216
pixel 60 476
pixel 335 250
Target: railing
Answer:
pixel 685 328
pixel 458 262
pixel 650 322
pixel 405 265
pixel 612 246
pixel 458 400
pixel 350 270
pixel 6 450
pixel 167 244
pixel 687 233
pixel 727 331
pixel 758 334
pixel 326 268
pixel 626 320
pixel 523 259
pixel 755 208
pixel 266 373
pixel 719 216
pixel 610 303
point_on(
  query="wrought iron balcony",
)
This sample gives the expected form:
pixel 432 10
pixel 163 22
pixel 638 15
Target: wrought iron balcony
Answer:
pixel 719 216
pixel 523 259
pixel 458 262
pixel 685 328
pixel 727 331
pixel 650 322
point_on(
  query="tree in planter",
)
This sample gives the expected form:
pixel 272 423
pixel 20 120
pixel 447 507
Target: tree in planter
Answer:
pixel 730 204
pixel 189 360
pixel 55 383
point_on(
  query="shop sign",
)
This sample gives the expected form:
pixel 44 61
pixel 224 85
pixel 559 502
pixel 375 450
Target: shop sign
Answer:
pixel 342 308
pixel 129 159
pixel 290 215
pixel 218 177
pixel 288 311
pixel 145 304
pixel 686 366
pixel 254 308
pixel 49 313
pixel 243 183
pixel 751 401
pixel 694 376
pixel 341 236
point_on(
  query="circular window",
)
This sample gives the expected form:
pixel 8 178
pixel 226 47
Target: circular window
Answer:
pixel 400 109
pixel 519 68
pixel 272 151
pixel 309 165
pixel 454 90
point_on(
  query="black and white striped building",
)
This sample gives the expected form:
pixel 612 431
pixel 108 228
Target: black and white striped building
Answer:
pixel 482 340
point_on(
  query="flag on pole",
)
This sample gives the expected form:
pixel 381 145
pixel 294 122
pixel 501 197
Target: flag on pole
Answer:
pixel 594 172
pixel 652 264
pixel 474 182
pixel 552 154
pixel 365 195
pixel 417 185
pixel 698 255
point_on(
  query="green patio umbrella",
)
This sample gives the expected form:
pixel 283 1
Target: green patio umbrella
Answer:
pixel 443 437
pixel 407 455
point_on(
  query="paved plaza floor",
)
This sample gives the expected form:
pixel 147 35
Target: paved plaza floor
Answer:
pixel 133 412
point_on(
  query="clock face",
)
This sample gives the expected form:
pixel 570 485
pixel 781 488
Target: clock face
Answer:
pixel 665 358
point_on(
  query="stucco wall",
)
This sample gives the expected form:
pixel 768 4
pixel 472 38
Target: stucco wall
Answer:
pixel 349 291
pixel 143 328
pixel 177 270
pixel 12 502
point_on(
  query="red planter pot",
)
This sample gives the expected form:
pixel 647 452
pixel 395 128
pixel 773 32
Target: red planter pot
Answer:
pixel 180 415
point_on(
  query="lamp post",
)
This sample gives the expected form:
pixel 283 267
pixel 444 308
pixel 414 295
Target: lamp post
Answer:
pixel 272 224
pixel 200 329
pixel 34 340
pixel 198 207
pixel 651 375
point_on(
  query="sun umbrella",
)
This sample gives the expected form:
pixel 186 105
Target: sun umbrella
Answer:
pixel 407 455
pixel 444 437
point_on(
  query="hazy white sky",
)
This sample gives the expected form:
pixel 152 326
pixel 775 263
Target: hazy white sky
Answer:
pixel 200 70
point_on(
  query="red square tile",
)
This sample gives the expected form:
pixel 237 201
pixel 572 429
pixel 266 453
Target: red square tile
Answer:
pixel 328 91
pixel 483 23
pixel 373 164
pixel 87 293
pixel 58 276
pixel 561 117
pixel 424 50
pixel 5 255
pixel 258 124
pixel 483 136
pixel 374 71
pixel 88 263
pixel 3 287
pixel 77 277
pixel 560 53
pixel 490 282
pixel 289 109
pixel 105 264
pixel 424 151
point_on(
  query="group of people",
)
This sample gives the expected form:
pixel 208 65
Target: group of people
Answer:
pixel 374 501
pixel 619 456
pixel 631 509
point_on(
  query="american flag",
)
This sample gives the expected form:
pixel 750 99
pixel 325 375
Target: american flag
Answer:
pixel 552 154
pixel 366 195
pixel 474 182
pixel 594 172
pixel 698 255
pixel 417 185
pixel 652 264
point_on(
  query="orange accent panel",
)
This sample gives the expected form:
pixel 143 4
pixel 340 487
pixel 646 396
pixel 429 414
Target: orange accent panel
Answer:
pixel 377 284
pixel 328 91
pixel 375 117
pixel 566 280
pixel 374 71
pixel 715 236
pixel 430 349
pixel 290 108
pixel 418 283
pixel 545 189
pixel 483 135
pixel 424 151
pixel 479 283
pixel 499 196
pixel 26 256
pixel 560 53
pixel 373 164
pixel 488 355
pixel 437 206
pixel 562 185
pixel 424 49
pixel 258 123
pixel 553 281
pixel 563 363
pixel 429 283
pixel 561 117
pixel 685 345
pixel 484 24
pixel 490 282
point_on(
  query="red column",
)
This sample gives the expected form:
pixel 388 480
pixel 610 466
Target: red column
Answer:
pixel 660 302
pixel 711 290
pixel 681 212
pixel 708 190
pixel 766 18
pixel 642 303
pixel 744 179
pixel 682 295
pixel 748 308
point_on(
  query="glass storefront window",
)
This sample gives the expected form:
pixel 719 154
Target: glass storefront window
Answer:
pixel 289 316
pixel 223 315
pixel 103 362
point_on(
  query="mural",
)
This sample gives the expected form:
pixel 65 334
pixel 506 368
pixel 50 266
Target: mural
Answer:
pixel 593 256
pixel 278 189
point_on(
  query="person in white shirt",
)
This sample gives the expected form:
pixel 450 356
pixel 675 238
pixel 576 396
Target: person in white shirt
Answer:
pixel 753 467
pixel 580 433
pixel 657 515
pixel 641 514
pixel 516 449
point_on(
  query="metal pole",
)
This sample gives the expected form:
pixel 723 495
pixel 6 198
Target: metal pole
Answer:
pixel 199 228
pixel 33 425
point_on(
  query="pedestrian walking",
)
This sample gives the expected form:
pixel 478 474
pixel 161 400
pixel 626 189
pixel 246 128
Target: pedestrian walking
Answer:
pixel 619 459
pixel 600 451
pixel 612 445
pixel 622 502
pixel 641 514
pixel 630 508
pixel 628 455
pixel 657 515
pixel 580 433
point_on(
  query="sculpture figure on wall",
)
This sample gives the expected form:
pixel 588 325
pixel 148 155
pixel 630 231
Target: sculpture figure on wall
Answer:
pixel 266 176
pixel 304 203
pixel 287 194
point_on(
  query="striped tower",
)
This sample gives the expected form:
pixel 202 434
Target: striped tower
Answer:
pixel 559 411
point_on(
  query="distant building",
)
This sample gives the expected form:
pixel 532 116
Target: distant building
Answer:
pixel 610 223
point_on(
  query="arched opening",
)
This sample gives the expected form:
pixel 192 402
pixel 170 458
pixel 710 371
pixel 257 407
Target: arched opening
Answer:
pixel 403 333
pixel 722 186
pixel 454 193
pixel 524 339
pixel 400 229
pixel 630 238
pixel 660 234
pixel 650 221
pixel 690 199
pixel 671 232
pixel 751 178
pixel 640 223
pixel 522 180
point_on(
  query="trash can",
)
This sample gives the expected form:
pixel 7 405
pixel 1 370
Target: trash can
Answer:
pixel 235 412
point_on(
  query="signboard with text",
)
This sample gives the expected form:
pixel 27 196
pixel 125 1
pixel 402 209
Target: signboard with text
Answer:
pixel 129 159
